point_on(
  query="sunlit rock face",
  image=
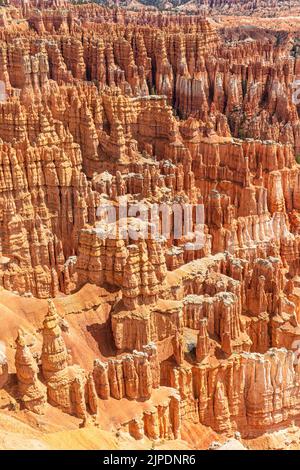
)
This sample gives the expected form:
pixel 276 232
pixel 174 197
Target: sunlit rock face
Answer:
pixel 149 222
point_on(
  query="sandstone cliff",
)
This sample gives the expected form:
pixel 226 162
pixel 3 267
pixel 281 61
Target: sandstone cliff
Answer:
pixel 148 330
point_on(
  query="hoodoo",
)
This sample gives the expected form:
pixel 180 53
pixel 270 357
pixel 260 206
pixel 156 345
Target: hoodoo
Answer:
pixel 149 225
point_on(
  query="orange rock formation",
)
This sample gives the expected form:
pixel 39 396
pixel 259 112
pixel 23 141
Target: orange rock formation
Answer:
pixel 147 329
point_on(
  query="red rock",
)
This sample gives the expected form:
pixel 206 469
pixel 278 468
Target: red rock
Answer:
pixel 104 106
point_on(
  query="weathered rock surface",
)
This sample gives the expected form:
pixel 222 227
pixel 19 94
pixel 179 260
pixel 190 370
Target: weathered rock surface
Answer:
pixel 114 127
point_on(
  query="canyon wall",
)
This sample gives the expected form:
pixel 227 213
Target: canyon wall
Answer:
pixel 109 116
